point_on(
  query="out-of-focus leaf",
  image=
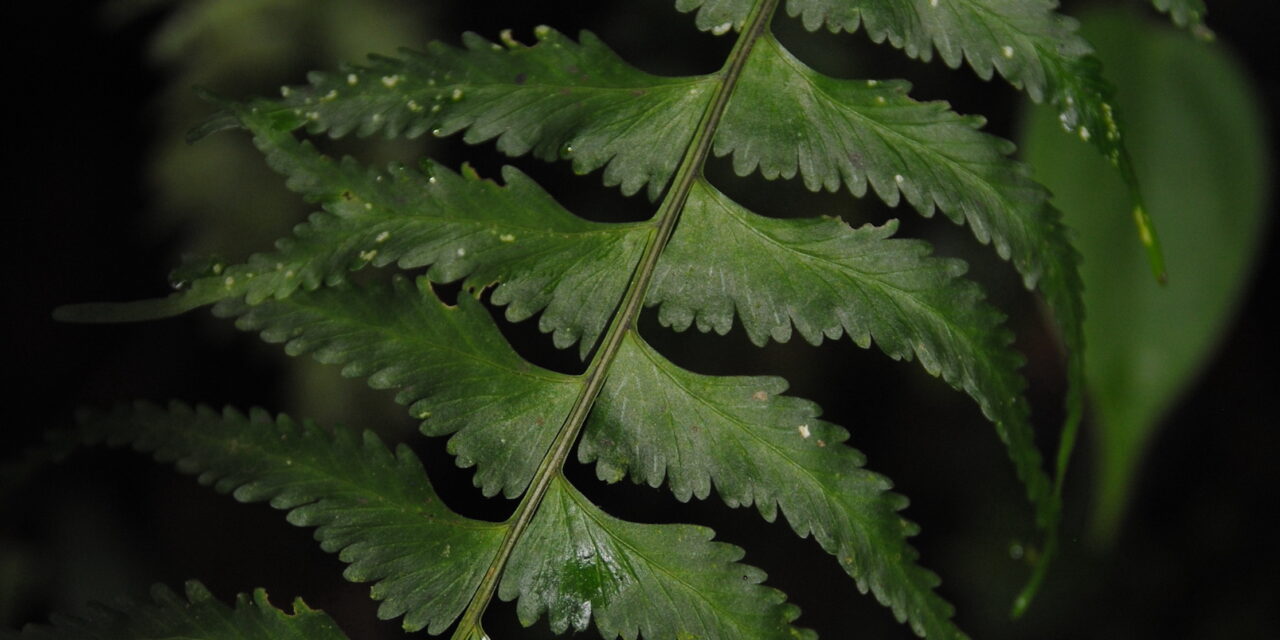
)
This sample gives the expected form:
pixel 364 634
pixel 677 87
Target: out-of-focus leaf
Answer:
pixel 1194 130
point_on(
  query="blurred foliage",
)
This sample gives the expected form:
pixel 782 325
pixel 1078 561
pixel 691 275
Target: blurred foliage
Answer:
pixel 1197 139
pixel 218 197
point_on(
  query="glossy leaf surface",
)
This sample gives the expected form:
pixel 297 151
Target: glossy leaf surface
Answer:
pixel 1196 139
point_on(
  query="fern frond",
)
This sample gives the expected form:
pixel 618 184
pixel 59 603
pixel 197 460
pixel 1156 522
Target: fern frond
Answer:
pixel 375 509
pixel 574 561
pixel 828 279
pixel 198 615
pixel 451 366
pixel 701 259
pixel 542 257
pixel 558 99
pixel 861 133
pixel 638 580
pixel 656 420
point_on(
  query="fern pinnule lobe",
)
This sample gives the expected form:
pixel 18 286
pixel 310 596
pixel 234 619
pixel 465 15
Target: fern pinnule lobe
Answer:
pixel 450 365
pixel 375 509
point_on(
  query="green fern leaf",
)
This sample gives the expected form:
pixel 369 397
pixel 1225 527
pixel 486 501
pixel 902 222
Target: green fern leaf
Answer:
pixel 757 446
pixel 428 560
pixel 701 260
pixel 826 278
pixel 638 580
pixel 375 509
pixel 857 133
pixel 452 367
pixel 445 358
pixel 558 99
pixel 545 258
pixel 1027 42
pixel 198 616
pixel 861 133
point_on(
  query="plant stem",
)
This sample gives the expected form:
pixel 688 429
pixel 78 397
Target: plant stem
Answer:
pixel 668 214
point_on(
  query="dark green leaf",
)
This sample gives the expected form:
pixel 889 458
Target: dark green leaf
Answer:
pixel 451 366
pixel 557 99
pixel 757 446
pixel 376 510
pixel 786 119
pixel 828 279
pixel 197 617
pixel 1196 135
pixel 656 581
pixel 543 257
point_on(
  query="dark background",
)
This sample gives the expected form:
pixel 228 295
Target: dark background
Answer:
pixel 1196 557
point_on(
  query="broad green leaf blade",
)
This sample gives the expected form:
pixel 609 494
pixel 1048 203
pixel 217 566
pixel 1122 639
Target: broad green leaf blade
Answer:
pixel 557 99
pixel 198 616
pixel 757 446
pixel 451 365
pixel 576 563
pixel 827 279
pixel 375 509
pixel 543 257
pixel 1197 139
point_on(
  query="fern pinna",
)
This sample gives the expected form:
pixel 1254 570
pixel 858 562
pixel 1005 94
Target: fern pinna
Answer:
pixel 701 259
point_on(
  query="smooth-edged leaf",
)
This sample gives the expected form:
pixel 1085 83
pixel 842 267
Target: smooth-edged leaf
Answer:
pixel 756 446
pixel 450 365
pixel 1197 137
pixel 542 257
pixel 576 563
pixel 827 279
pixel 198 616
pixel 556 99
pixel 375 509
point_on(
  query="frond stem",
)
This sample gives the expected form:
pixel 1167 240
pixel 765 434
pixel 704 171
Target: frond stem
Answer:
pixel 689 171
